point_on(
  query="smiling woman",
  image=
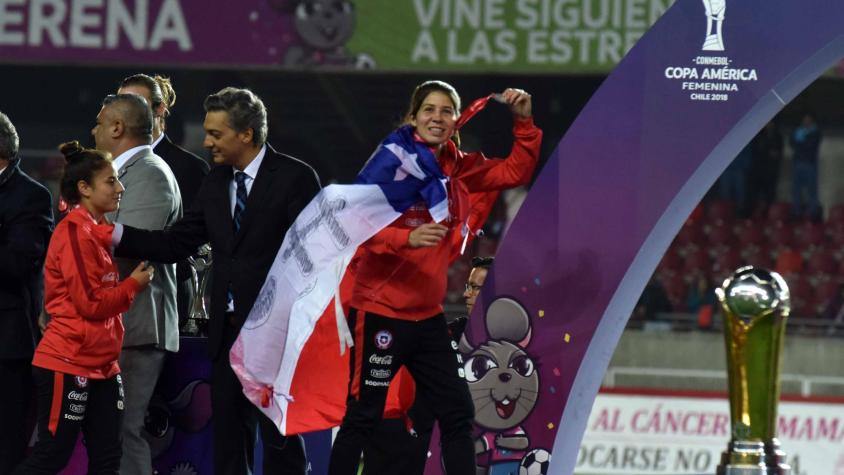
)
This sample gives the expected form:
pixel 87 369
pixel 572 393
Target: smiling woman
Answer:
pixel 400 283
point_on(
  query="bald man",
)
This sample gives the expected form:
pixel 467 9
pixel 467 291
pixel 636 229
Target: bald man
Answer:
pixel 151 201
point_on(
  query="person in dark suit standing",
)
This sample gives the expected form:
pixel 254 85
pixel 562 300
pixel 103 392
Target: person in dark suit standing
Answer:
pixel 243 209
pixel 189 169
pixel 26 221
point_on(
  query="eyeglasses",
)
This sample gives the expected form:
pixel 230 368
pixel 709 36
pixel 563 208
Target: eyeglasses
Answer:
pixel 472 287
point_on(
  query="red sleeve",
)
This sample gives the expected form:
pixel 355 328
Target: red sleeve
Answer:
pixel 84 279
pixel 490 175
pixel 388 240
pixel 480 205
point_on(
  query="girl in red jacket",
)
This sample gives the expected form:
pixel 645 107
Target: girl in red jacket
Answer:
pixel 75 364
pixel 396 315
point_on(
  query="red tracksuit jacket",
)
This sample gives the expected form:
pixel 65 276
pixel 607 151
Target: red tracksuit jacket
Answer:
pixel 395 280
pixel 84 300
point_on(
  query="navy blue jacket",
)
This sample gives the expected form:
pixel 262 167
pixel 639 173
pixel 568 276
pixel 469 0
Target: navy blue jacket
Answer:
pixel 26 222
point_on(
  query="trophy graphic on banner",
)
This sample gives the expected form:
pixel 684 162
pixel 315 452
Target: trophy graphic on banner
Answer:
pixel 199 265
pixel 715 10
pixel 756 304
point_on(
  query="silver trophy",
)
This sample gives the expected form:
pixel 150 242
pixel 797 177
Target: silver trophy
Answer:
pixel 715 10
pixel 199 265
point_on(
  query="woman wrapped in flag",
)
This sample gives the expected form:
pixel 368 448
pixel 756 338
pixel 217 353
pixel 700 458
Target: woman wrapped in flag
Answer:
pixel 396 314
pixel 75 369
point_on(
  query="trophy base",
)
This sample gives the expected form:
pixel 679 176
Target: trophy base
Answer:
pixel 713 43
pixel 195 327
pixel 753 458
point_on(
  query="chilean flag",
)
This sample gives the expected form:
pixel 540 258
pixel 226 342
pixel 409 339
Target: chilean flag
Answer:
pixel 283 354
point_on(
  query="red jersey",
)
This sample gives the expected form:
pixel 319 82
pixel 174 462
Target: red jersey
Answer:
pixel 395 280
pixel 84 299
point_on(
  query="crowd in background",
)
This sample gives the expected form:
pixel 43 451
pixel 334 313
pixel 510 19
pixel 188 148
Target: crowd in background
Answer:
pixel 743 220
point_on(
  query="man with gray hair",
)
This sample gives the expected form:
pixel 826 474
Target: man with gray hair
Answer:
pixel 244 209
pixel 26 221
pixel 151 201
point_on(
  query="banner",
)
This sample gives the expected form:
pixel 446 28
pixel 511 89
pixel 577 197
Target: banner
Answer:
pixel 553 36
pixel 637 434
pixel 652 140
pixel 580 36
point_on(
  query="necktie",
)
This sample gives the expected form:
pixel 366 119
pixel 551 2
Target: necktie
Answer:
pixel 239 199
pixel 239 208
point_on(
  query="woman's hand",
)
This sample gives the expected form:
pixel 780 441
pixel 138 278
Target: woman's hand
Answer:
pixel 427 235
pixel 518 101
pixel 144 273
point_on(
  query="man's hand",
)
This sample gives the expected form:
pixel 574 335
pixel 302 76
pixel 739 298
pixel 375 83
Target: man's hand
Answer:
pixel 43 320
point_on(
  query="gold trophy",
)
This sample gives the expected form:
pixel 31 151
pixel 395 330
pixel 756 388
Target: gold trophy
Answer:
pixel 755 303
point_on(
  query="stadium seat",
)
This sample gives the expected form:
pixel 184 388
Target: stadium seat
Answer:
pixel 836 214
pixel 779 212
pixel 720 212
pixel 802 296
pixel 749 233
pixel 726 262
pixel 822 261
pixel 810 236
pixel 676 289
pixel 690 233
pixel 827 290
pixel 780 236
pixel 721 235
pixel 697 262
pixel 757 256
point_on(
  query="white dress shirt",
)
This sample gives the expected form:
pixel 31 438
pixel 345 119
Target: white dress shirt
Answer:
pixel 116 163
pixel 251 172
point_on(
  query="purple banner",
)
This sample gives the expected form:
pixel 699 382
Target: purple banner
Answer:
pixel 640 156
pixel 145 31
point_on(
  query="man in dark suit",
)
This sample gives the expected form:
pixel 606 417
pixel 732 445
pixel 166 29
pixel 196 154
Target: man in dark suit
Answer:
pixel 188 169
pixel 26 221
pixel 243 209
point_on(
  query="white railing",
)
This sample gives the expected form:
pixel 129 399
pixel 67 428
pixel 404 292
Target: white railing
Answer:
pixel 805 381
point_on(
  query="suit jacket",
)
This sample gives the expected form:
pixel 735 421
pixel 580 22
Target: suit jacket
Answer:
pixel 282 188
pixel 26 222
pixel 188 169
pixel 151 201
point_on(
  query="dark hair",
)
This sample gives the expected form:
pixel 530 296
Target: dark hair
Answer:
pixel 135 112
pixel 9 141
pixel 423 90
pixel 482 262
pixel 81 165
pixel 245 111
pixel 160 89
